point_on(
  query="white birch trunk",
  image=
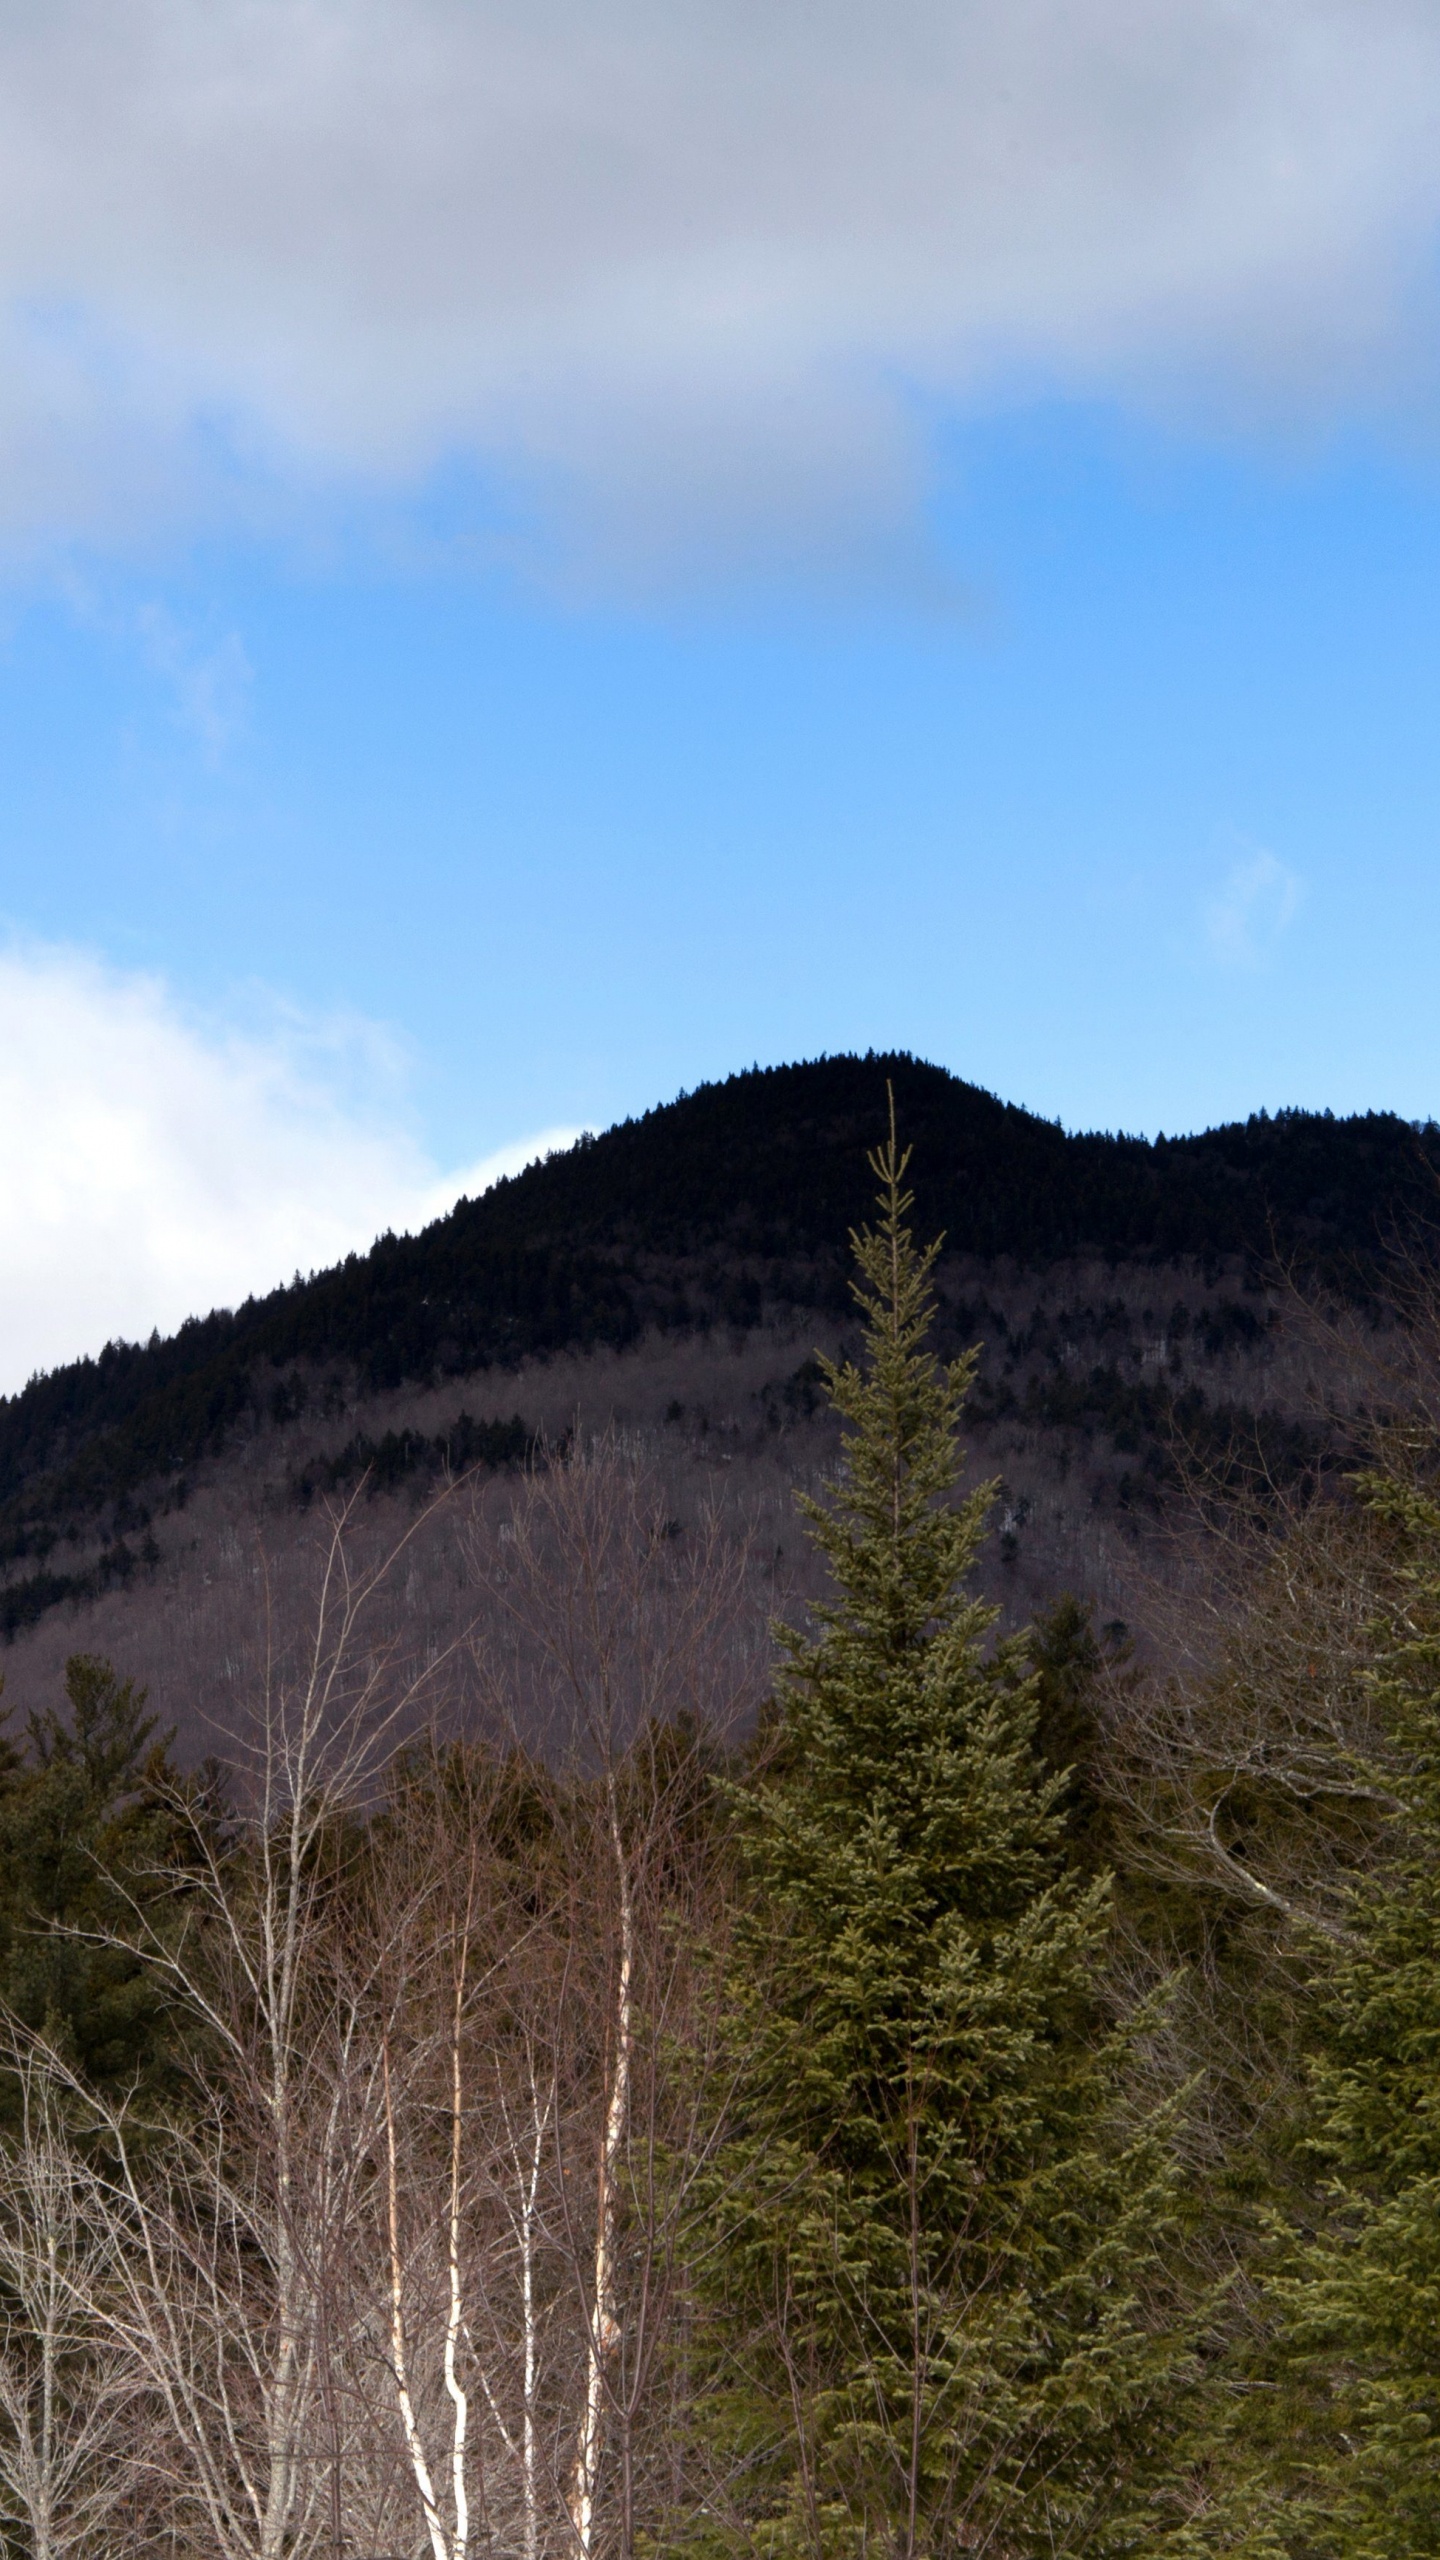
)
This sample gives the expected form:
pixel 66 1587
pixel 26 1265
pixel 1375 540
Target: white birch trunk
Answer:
pixel 414 2443
pixel 530 2339
pixel 603 2331
pixel 452 2542
pixel 459 2403
pixel 71 2418
pixel 524 2216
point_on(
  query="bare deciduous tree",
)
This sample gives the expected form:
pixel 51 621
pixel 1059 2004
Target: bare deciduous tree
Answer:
pixel 219 2234
pixel 1248 1766
pixel 634 1631
pixel 399 2272
pixel 533 2248
pixel 73 2413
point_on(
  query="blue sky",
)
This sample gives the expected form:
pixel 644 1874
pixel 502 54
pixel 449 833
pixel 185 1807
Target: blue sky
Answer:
pixel 1139 827
pixel 469 673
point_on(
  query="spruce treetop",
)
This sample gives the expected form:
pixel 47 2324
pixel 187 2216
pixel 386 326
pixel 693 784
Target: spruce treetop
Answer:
pixel 897 1550
pixel 920 1798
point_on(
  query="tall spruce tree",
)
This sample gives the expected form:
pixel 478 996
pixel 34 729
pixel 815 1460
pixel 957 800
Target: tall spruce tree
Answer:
pixel 1351 2412
pixel 942 2293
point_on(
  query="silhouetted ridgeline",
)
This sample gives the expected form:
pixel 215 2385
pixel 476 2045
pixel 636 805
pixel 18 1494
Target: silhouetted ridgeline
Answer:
pixel 727 1205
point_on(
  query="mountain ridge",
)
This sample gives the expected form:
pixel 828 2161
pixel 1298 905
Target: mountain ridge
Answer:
pixel 719 1208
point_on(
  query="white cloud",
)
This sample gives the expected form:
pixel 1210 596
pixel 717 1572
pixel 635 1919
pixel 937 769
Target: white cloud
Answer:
pixel 690 275
pixel 151 1167
pixel 1258 901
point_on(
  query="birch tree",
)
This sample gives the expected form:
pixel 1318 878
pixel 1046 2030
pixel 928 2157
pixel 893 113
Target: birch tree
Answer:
pixel 636 1640
pixel 533 2254
pixel 73 2412
pixel 220 2229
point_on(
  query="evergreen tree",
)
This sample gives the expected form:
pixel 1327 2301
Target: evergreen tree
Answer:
pixel 1353 2426
pixel 1073 1665
pixel 941 2289
pixel 89 1817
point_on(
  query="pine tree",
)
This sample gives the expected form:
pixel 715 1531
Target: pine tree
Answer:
pixel 89 1822
pixel 1354 2440
pixel 941 2287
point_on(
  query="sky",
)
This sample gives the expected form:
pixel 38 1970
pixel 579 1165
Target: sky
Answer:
pixel 551 553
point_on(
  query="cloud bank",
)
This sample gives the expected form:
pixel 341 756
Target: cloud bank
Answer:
pixel 688 278
pixel 152 1168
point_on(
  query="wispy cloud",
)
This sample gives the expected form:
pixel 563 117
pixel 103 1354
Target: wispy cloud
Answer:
pixel 209 679
pixel 1258 901
pixel 153 1165
pixel 690 276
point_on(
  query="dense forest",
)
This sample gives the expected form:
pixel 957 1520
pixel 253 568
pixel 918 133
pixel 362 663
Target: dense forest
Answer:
pixel 871 2085
pixel 720 1210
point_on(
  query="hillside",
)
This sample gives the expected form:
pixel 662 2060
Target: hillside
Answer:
pixel 1123 1288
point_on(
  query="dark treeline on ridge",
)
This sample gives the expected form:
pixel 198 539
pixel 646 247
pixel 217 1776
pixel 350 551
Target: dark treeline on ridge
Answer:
pixel 719 1208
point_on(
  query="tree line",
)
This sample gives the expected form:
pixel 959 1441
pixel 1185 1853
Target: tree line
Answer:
pixel 717 1209
pixel 892 2089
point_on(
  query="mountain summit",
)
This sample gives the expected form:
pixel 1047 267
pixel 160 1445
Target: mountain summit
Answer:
pixel 722 1215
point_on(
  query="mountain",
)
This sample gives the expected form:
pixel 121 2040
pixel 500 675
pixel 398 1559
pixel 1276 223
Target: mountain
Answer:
pixel 712 1222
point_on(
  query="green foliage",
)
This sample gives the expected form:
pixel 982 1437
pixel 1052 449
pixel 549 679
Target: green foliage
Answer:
pixel 941 2294
pixel 24 1603
pixel 1352 2443
pixel 87 1821
pixel 1153 1420
pixel 1071 1664
pixel 399 1457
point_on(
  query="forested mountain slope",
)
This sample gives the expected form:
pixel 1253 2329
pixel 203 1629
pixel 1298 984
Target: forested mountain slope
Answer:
pixel 1112 1277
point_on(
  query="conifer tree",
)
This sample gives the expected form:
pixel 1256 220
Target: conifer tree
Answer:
pixel 942 2291
pixel 1353 2442
pixel 90 1822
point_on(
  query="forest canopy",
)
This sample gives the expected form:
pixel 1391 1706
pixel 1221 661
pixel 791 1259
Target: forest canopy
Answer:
pixel 880 2086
